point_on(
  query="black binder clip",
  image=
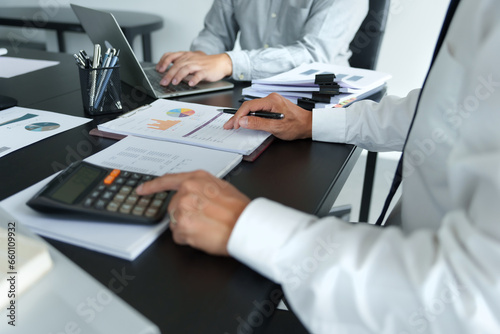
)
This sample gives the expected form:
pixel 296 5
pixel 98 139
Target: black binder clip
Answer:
pixel 306 103
pixel 327 84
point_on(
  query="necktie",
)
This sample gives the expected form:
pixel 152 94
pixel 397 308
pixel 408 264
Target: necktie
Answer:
pixel 398 177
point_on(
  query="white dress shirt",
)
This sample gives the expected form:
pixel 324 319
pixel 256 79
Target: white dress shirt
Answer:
pixel 439 272
pixel 278 35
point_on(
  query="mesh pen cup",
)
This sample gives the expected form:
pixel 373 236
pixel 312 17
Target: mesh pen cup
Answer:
pixel 101 90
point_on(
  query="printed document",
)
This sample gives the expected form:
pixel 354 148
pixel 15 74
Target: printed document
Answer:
pixel 20 127
pixel 186 123
pixel 11 66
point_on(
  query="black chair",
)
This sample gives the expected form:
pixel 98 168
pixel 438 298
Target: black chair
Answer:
pixel 365 49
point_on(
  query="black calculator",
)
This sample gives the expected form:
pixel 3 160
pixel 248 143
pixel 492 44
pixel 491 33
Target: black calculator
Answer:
pixel 87 189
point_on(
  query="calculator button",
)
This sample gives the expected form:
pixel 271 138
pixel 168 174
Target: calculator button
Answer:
pixel 115 172
pixel 143 202
pixel 120 180
pixel 131 182
pixel 136 176
pixel 101 187
pixel 88 202
pixel 107 195
pixel 113 206
pixel 138 211
pixel 151 212
pixel 156 203
pixel 125 208
pixel 109 179
pixel 120 198
pixel 100 204
pixel 114 188
pixel 95 194
pixel 147 178
pixel 126 174
pixel 125 190
pixel 132 199
pixel 162 195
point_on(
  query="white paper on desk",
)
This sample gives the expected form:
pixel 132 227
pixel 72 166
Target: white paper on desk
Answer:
pixel 345 76
pixel 11 66
pixel 134 154
pixel 187 123
pixel 157 157
pixel 20 127
pixel 124 241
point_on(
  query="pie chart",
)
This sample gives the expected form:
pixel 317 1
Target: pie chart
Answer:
pixel 42 126
pixel 180 112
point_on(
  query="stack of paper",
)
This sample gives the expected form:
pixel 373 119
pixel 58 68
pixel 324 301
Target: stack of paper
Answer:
pixel 298 85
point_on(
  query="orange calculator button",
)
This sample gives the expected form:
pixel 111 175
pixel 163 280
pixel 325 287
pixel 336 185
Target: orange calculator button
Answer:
pixel 115 172
pixel 109 179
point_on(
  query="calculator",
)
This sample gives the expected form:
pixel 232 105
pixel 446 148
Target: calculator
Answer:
pixel 105 193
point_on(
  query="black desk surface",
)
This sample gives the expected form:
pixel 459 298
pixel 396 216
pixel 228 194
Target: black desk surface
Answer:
pixel 180 289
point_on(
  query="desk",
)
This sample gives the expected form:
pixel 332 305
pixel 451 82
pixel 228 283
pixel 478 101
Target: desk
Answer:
pixel 62 19
pixel 180 289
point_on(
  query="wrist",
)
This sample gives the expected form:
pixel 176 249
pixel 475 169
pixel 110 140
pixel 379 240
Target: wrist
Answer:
pixel 227 64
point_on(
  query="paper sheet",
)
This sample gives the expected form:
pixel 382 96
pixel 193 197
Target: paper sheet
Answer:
pixel 11 67
pixel 20 127
pixel 187 123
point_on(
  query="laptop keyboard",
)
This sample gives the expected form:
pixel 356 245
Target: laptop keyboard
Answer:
pixel 154 78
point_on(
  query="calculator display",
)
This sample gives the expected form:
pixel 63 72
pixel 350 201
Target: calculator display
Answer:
pixel 76 184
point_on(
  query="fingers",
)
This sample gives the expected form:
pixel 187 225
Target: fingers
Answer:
pixel 167 59
pixel 162 183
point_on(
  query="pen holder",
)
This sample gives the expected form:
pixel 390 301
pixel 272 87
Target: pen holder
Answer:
pixel 101 90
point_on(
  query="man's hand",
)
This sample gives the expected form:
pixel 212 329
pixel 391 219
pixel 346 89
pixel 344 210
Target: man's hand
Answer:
pixel 197 64
pixel 204 209
pixel 297 123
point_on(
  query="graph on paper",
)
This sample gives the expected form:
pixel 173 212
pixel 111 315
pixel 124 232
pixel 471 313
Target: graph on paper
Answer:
pixel 188 123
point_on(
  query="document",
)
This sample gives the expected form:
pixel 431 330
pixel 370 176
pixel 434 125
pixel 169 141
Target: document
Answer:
pixel 126 241
pixel 11 66
pixel 20 127
pixel 186 123
pixel 62 298
pixel 305 74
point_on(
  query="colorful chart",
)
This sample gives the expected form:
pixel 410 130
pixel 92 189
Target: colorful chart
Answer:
pixel 42 126
pixel 180 112
pixel 162 125
pixel 19 119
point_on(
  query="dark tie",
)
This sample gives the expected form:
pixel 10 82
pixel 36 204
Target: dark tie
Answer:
pixel 398 177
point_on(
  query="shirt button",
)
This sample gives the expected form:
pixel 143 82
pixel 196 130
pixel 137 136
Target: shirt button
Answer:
pixel 241 76
pixel 273 15
pixel 266 46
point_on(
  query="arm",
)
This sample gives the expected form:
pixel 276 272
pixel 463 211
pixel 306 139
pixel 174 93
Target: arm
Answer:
pixel 206 60
pixel 326 33
pixel 375 126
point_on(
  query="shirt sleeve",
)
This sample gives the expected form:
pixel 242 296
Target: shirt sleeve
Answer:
pixel 373 126
pixel 329 27
pixel 348 278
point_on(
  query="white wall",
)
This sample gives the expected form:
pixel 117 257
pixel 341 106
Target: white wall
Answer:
pixel 412 31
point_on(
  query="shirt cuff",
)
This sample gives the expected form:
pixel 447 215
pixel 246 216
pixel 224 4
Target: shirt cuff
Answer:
pixel 329 125
pixel 261 231
pixel 241 65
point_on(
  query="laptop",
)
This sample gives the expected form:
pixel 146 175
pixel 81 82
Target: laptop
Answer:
pixel 103 29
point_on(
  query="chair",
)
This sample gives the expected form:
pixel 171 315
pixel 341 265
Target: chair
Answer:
pixel 365 49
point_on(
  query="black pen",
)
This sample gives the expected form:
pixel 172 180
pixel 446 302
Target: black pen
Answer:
pixel 263 114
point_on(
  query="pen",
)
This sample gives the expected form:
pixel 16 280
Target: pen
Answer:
pixel 263 114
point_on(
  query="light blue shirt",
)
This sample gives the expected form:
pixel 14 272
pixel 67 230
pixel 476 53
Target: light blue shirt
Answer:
pixel 278 35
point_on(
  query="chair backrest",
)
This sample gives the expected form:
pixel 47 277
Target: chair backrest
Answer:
pixel 366 44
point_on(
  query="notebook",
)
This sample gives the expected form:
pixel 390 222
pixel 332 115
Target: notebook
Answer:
pixel 103 29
